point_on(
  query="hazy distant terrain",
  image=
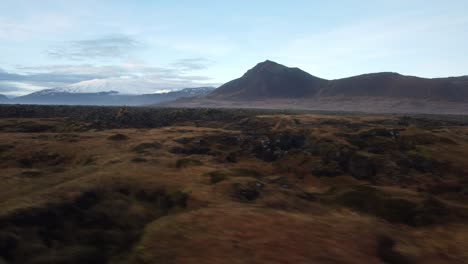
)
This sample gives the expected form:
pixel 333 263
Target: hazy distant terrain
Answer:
pixel 162 185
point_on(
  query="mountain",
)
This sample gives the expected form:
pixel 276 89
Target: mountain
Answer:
pixel 121 85
pixel 272 85
pixel 65 97
pixel 394 85
pixel 3 98
pixel 270 80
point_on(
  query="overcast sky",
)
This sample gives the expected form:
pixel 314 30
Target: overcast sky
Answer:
pixel 161 45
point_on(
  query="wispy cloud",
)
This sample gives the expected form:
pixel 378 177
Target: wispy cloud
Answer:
pixel 191 64
pixel 104 47
pixel 17 88
pixel 212 46
pixel 129 77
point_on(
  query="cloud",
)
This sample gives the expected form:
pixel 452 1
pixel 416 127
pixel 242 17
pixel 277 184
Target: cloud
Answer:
pixel 192 64
pixel 130 77
pixel 106 47
pixel 7 88
pixel 46 78
pixel 17 88
pixel 212 46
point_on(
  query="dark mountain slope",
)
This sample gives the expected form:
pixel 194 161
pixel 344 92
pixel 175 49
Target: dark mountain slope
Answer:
pixel 270 80
pixel 394 85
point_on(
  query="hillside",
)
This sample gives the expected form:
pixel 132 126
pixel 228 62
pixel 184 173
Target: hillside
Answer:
pixel 275 86
pixel 394 85
pixel 270 80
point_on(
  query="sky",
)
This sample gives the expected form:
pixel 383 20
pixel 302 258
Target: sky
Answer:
pixel 147 46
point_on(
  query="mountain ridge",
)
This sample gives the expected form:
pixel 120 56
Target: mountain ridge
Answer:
pixel 270 80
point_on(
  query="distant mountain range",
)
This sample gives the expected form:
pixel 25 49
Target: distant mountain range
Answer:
pixel 65 96
pixel 269 80
pixel 120 85
pixel 272 85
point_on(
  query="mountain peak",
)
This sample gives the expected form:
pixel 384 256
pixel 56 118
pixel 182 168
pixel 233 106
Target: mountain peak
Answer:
pixel 269 79
pixel 268 62
pixel 267 67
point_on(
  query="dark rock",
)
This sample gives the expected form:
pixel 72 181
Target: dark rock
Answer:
pixel 327 168
pixel 274 147
pixel 5 147
pixel 361 167
pixel 247 192
pixel 147 145
pixel 307 196
pixel 386 251
pixel 395 210
pixel 421 162
pixel 191 150
pixel 118 137
pixel 139 160
pixel 380 132
pixel 183 163
pixel 8 243
pixel 42 158
pixel 231 157
pixel 86 200
pixel 448 187
pixel 183 140
pixel 150 195
pixel 32 173
pixel 290 141
pixel 229 140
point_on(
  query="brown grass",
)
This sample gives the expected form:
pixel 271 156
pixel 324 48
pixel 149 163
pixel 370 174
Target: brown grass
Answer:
pixel 297 217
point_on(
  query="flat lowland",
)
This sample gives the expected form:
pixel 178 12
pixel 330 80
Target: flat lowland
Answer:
pixel 160 185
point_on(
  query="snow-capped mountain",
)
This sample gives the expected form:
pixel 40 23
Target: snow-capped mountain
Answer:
pixel 120 85
pixel 81 96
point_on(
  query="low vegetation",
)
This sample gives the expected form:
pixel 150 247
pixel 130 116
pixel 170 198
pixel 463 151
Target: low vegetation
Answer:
pixel 157 185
